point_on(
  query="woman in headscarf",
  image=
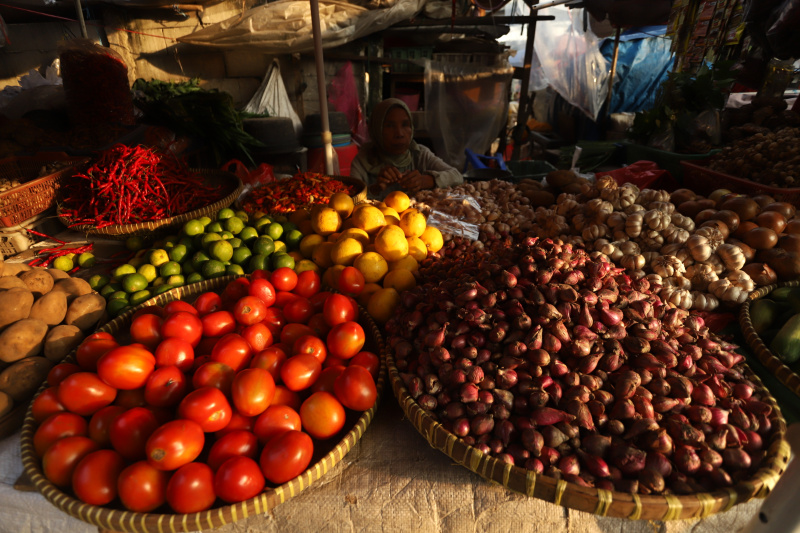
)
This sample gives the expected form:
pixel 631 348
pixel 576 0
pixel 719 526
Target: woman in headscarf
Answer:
pixel 392 155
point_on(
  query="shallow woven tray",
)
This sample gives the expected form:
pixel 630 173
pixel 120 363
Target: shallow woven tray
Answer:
pixel 599 501
pixel 107 518
pixel 785 375
pixel 233 187
pixel 359 197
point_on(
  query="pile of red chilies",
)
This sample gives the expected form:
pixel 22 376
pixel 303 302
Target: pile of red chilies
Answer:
pixel 45 256
pixel 129 185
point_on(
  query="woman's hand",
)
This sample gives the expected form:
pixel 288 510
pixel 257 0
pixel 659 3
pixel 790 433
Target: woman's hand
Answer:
pixel 413 181
pixel 389 174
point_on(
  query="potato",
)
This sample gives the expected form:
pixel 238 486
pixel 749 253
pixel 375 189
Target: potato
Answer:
pixel 23 338
pixel 38 281
pixel 60 341
pixel 23 378
pixel 6 404
pixel 11 282
pixel 2 263
pixel 50 308
pixel 85 311
pixel 12 269
pixel 15 304
pixel 73 287
pixel 561 178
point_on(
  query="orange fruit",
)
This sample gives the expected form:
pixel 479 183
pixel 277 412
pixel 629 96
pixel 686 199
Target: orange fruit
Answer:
pixel 331 276
pixel 341 203
pixel 408 263
pixel 432 238
pixel 382 304
pixel 366 293
pixel 412 224
pixel 345 251
pixel 325 221
pixel 400 280
pixel 322 255
pixel 417 248
pixel 391 243
pixel 369 218
pixel 372 265
pixel 397 200
pixel 356 233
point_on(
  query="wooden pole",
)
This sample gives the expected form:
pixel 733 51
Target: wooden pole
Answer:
pixel 327 138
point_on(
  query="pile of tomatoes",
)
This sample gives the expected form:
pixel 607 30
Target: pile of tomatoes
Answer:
pixel 209 402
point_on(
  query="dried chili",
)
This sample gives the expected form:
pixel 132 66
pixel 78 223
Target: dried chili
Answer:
pixel 304 189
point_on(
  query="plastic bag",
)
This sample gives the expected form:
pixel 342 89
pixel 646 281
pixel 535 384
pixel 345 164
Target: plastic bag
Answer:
pixel 271 98
pixel 452 225
pixel 643 174
pixel 782 33
pixel 261 175
pixel 343 96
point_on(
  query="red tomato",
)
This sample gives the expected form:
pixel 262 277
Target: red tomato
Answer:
pixel 238 422
pixel 55 427
pixel 249 310
pixel 286 456
pixel 130 430
pixel 351 281
pixel 299 310
pixel 175 444
pixel 148 310
pixel 101 335
pixel 126 367
pixel 338 309
pixel 345 340
pixel 310 344
pixel 322 415
pixel 94 480
pixel 234 290
pixel 318 324
pixel 233 444
pixel 203 349
pixel 207 406
pixel 166 387
pixel 259 274
pixel 318 300
pixel 46 404
pixel 218 323
pixel 208 302
pixel 142 487
pixel 274 321
pixel 355 388
pixel 334 361
pixel 175 352
pixel 270 360
pixel 275 420
pixel 258 336
pixel 355 306
pixel 83 393
pixel 147 330
pixel 368 360
pixel 131 398
pixel 263 290
pixel 191 488
pixel 284 396
pixel 184 325
pixel 299 372
pixel 60 459
pixel 308 284
pixel 291 332
pixel 100 424
pixel 238 479
pixel 232 350
pixel 90 350
pixel 252 391
pixel 284 297
pixel 326 379
pixel 214 374
pixel 176 306
pixel 284 279
pixel 60 371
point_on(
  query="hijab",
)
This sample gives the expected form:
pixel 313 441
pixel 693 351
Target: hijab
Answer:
pixel 378 157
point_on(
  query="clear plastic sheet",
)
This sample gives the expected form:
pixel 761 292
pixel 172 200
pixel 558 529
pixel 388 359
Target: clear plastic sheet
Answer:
pixel 452 225
pixel 271 98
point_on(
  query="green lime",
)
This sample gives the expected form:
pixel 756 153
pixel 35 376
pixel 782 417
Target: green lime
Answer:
pixel 158 257
pixel 248 234
pixel 282 260
pixel 224 213
pixel 214 227
pixel 176 280
pixel 195 277
pixel 117 307
pixel 110 289
pixel 234 225
pixel 274 230
pixel 134 282
pixel 193 227
pixel 148 271
pixel 159 243
pixel 261 223
pixel 208 238
pixel 134 243
pixel 86 260
pixel 258 262
pixel 205 220
pixel 241 255
pixel 235 242
pixel 63 263
pixel 136 262
pixel 98 281
pixel 161 289
pixel 292 238
pixel 213 269
pixel 188 242
pixel 280 218
pixel 221 251
pixel 234 270
pixel 263 245
pixel 123 270
pixel 119 295
pixel 159 281
pixel 198 259
pixel 242 215
pixel 178 253
pixel 168 246
pixel 280 246
pixel 188 268
pixel 139 297
pixel 169 268
pixel 172 239
pixel 288 226
pixel 227 235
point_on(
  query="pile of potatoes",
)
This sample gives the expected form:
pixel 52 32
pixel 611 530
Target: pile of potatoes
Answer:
pixel 44 315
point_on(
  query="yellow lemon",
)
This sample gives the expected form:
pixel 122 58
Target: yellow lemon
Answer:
pixel 417 248
pixel 432 238
pixel 306 227
pixel 345 251
pixel 296 217
pixel 369 218
pixel 397 200
pixel 391 243
pixel 391 220
pixel 356 233
pixel 409 210
pixel 380 205
pixel 382 304
pixel 412 224
pixel 325 221
pixel 333 237
pixel 309 243
pixel 331 276
pixel 348 223
pixel 370 248
pixel 306 264
pixel 407 263
pixel 372 265
pixel 400 280
pixel 322 255
pixel 342 204
pixel 366 293
pixel 389 211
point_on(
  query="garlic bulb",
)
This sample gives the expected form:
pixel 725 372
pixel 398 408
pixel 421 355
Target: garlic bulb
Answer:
pixel 676 297
pixel 732 256
pixel 657 220
pixel 667 265
pixel 702 301
pixel 701 275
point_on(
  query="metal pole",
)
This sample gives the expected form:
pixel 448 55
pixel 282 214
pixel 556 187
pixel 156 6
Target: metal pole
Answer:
pixel 79 10
pixel 613 71
pixel 524 99
pixel 327 138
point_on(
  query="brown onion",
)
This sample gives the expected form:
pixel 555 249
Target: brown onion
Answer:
pixel 704 215
pixel 784 208
pixel 748 252
pixel 761 273
pixel 719 195
pixel 773 220
pixel 790 242
pixel 760 238
pixel 793 226
pixel 745 207
pixel 763 199
pixel 720 225
pixel 690 208
pixel 678 196
pixel 786 264
pixel 730 219
pixel 743 228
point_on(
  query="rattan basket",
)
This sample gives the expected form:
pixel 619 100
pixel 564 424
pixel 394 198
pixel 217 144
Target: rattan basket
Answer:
pixel 785 375
pixel 232 186
pixel 599 501
pixel 358 197
pixel 116 519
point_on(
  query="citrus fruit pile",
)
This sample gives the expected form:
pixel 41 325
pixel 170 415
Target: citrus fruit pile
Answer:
pixel 232 244
pixel 382 243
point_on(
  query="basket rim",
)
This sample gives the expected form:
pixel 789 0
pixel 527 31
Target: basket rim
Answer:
pixel 702 166
pixel 127 521
pixel 358 197
pixel 599 501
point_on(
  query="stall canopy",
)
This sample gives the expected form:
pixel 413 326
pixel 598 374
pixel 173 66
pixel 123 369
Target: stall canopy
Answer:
pixel 285 26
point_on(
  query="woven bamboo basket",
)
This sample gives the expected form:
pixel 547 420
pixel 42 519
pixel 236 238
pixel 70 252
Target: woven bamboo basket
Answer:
pixel 118 519
pixel 599 501
pixel 785 375
pixel 232 186
pixel 358 197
